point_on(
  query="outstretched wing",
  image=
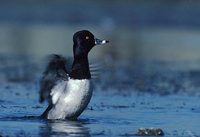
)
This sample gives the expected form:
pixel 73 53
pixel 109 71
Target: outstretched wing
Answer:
pixel 55 73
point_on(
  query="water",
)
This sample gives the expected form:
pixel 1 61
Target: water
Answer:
pixel 154 96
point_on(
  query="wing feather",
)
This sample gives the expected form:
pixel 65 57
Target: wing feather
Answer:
pixel 55 73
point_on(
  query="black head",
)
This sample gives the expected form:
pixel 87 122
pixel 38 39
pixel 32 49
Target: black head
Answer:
pixel 84 41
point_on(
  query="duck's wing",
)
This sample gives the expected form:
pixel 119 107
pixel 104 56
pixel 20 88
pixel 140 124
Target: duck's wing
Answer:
pixel 54 76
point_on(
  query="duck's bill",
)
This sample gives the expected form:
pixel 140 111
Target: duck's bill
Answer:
pixel 100 42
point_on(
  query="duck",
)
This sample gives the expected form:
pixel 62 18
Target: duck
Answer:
pixel 68 90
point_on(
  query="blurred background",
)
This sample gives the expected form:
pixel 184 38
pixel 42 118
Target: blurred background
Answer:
pixel 154 44
pixel 165 30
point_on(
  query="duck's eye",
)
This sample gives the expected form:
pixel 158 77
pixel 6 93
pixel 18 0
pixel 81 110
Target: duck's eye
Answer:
pixel 87 37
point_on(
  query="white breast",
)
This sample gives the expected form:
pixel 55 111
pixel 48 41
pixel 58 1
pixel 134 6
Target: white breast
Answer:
pixel 70 102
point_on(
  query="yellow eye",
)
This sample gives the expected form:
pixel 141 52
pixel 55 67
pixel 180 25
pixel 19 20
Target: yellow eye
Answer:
pixel 87 37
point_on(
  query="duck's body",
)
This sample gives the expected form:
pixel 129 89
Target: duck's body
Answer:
pixel 69 91
pixel 72 101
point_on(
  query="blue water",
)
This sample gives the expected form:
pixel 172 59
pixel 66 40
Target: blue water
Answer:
pixel 142 97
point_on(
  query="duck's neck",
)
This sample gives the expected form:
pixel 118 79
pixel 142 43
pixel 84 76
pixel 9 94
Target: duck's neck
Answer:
pixel 80 68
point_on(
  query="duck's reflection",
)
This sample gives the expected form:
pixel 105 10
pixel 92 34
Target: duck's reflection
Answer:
pixel 64 128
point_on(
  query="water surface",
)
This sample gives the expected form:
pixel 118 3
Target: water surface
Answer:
pixel 127 99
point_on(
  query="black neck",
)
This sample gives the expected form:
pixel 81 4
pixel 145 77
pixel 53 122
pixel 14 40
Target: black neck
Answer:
pixel 80 68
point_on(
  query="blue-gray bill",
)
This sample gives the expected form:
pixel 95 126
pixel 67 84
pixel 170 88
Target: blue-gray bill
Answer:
pixel 100 42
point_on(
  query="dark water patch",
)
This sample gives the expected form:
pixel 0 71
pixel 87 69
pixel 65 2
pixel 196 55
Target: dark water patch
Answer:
pixel 37 107
pixel 101 133
pixel 23 118
pixel 128 135
pixel 157 108
pixel 196 110
pixel 5 102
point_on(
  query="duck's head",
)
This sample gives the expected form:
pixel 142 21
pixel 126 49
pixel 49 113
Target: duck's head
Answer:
pixel 84 41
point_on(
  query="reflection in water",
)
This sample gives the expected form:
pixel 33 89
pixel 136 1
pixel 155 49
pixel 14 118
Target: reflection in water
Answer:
pixel 64 128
